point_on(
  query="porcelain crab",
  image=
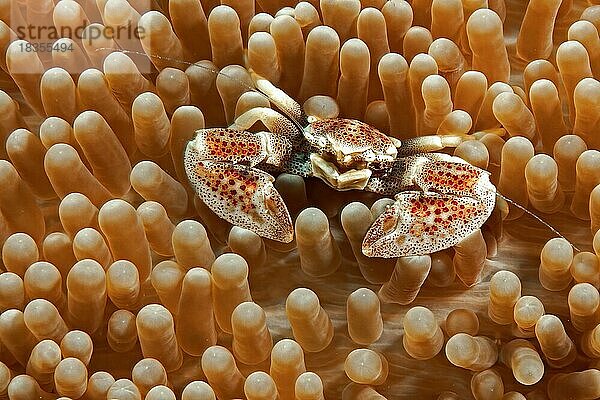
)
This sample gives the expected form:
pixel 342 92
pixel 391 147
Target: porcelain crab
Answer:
pixel 439 199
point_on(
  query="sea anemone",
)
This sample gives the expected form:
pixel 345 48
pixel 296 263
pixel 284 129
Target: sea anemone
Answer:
pixel 118 282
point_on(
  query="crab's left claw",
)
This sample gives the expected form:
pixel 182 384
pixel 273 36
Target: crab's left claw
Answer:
pixel 421 223
pixel 242 195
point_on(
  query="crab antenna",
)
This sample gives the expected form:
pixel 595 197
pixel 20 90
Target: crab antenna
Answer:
pixel 547 225
pixel 214 71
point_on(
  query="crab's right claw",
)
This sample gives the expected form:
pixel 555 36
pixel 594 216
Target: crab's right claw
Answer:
pixel 242 195
pixel 420 223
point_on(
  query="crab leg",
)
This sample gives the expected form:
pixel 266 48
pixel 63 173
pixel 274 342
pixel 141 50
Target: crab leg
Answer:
pixel 421 223
pixel 449 200
pixel 228 145
pixel 274 121
pixel 426 144
pixel 285 103
pixel 393 181
pixel 252 148
pixel 220 164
